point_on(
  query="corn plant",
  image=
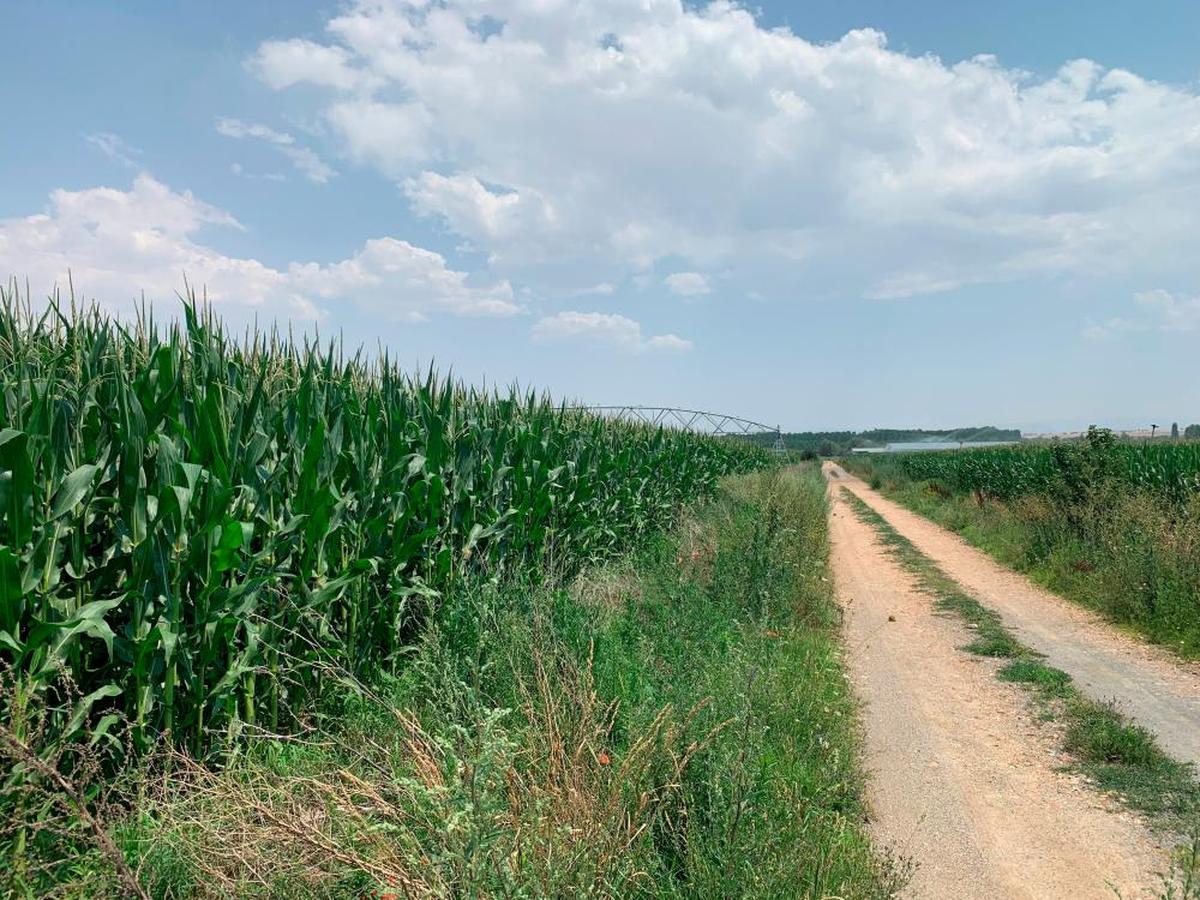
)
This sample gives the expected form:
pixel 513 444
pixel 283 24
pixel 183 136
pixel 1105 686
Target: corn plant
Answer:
pixel 1170 470
pixel 194 527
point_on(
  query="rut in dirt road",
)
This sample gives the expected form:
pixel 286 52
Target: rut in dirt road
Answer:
pixel 1147 684
pixel 962 780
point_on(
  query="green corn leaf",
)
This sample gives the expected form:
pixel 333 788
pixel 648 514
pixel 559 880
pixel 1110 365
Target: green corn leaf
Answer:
pixel 16 486
pixel 264 495
pixel 84 707
pixel 72 490
pixel 102 730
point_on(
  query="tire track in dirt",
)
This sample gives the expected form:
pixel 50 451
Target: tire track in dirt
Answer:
pixel 1146 683
pixel 962 780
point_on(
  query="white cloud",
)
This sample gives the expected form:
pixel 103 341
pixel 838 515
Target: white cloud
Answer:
pixel 1158 310
pixel 303 159
pixel 617 136
pixel 603 289
pixel 669 342
pixel 688 284
pixel 240 171
pixel 607 328
pixel 235 128
pixel 284 63
pixel 470 208
pixel 392 273
pixel 1171 312
pixel 1103 331
pixel 309 164
pixel 117 244
pixel 391 136
pixel 115 148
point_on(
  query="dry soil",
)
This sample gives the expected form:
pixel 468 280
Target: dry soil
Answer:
pixel 963 780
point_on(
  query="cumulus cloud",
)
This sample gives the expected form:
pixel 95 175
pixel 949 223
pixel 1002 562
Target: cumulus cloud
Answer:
pixel 687 284
pixel 118 244
pixel 1157 310
pixel 627 134
pixel 392 273
pixel 613 330
pixel 390 136
pixel 472 209
pixel 303 159
pixel 284 63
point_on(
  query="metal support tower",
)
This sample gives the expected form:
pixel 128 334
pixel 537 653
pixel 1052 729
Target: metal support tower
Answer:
pixel 698 420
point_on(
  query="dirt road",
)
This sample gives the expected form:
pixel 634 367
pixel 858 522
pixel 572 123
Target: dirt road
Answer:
pixel 963 780
pixel 1148 685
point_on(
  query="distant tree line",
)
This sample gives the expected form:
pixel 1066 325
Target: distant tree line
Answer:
pixel 1192 432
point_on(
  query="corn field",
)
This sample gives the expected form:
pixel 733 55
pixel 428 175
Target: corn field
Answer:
pixel 194 526
pixel 1170 470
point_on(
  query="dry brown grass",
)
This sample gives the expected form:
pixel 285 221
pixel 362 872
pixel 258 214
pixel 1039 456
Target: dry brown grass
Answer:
pixel 697 549
pixel 608 587
pixel 504 805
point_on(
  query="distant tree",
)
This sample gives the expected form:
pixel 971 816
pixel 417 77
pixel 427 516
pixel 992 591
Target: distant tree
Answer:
pixel 827 448
pixel 1175 431
pixel 1192 431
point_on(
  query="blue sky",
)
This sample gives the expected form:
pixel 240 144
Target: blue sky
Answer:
pixel 822 215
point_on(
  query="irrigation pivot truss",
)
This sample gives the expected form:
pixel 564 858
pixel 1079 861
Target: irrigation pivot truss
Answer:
pixel 699 420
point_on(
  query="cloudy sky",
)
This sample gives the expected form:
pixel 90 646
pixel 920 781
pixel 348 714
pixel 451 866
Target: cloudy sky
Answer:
pixel 822 215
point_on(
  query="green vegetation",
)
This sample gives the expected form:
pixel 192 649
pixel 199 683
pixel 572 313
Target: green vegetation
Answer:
pixel 195 528
pixel 1063 470
pixel 279 621
pixel 836 443
pixel 1047 680
pixel 1112 525
pixel 1117 756
pixel 674 723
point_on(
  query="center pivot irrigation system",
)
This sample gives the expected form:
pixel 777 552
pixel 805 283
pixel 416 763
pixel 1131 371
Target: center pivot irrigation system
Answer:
pixel 697 420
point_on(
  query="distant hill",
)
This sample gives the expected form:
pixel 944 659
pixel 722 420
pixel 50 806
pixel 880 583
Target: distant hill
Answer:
pixel 834 443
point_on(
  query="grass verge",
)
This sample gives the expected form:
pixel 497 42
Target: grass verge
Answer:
pixel 674 725
pixel 1118 550
pixel 1120 758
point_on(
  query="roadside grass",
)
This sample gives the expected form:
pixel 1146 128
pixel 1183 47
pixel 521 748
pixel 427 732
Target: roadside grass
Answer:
pixel 1049 682
pixel 1118 550
pixel 676 724
pixel 1117 756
